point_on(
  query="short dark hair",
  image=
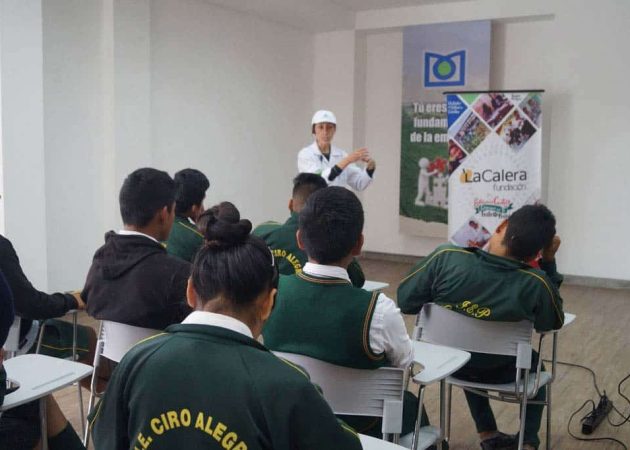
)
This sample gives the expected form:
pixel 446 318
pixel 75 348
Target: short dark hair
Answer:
pixel 331 223
pixel 145 192
pixel 191 189
pixel 233 264
pixel 225 210
pixel 529 229
pixel 304 184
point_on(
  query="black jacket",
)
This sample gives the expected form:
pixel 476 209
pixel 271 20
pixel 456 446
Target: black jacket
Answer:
pixel 29 302
pixel 134 281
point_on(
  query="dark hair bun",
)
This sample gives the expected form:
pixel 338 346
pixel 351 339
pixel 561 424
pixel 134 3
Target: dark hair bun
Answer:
pixel 222 233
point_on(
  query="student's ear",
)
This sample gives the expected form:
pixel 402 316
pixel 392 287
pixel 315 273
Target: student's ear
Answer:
pixel 267 304
pixel 291 204
pixel 191 294
pixel 502 227
pixel 356 250
pixel 298 238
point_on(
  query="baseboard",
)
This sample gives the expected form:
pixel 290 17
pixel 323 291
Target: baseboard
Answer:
pixel 573 280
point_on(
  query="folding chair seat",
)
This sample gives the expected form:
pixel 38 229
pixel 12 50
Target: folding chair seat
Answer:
pixel 114 341
pixel 442 326
pixel 364 392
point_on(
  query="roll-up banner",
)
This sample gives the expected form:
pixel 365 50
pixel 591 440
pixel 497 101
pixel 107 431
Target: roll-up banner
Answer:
pixel 436 58
pixel 494 160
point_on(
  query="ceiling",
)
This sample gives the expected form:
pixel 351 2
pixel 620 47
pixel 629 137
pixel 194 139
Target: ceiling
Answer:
pixel 316 15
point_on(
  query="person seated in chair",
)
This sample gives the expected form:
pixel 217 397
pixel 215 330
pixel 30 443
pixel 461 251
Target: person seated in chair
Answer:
pixel 20 426
pixel 132 279
pixel 320 314
pixel 32 304
pixel 208 383
pixel 184 240
pixel 281 237
pixel 497 285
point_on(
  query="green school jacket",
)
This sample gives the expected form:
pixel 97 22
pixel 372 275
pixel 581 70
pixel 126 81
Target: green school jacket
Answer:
pixel 184 240
pixel 488 287
pixel 205 387
pixel 484 286
pixel 324 318
pixel 281 239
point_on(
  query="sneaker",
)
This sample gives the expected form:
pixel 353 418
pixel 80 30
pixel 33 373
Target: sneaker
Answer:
pixel 501 441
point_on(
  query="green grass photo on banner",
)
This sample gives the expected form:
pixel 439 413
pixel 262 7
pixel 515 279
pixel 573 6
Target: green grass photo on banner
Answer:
pixel 411 152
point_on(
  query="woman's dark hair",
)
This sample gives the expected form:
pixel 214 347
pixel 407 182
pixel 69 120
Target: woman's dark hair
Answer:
pixel 233 263
pixel 529 229
pixel 225 211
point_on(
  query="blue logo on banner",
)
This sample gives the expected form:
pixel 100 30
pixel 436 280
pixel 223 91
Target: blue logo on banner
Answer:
pixel 445 70
pixel 455 107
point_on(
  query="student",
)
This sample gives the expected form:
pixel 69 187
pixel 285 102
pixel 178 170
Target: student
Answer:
pixel 335 165
pixel 31 304
pixel 132 279
pixel 496 285
pixel 184 239
pixel 281 237
pixel 20 427
pixel 208 383
pixel 320 314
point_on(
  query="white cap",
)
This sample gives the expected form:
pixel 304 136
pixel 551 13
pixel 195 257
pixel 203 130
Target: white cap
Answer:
pixel 323 116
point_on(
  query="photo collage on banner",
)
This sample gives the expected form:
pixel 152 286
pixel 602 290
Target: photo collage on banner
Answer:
pixel 494 160
pixel 436 58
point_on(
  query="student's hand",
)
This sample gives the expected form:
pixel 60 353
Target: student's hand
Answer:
pixel 80 302
pixel 549 252
pixel 371 164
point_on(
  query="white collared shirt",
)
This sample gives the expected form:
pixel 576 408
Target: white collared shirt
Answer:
pixel 311 160
pixel 136 233
pixel 217 320
pixel 388 332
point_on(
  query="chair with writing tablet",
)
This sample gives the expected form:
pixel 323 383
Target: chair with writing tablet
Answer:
pixel 114 341
pixel 442 326
pixel 364 392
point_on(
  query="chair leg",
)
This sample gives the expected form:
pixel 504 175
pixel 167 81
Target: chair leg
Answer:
pixel 43 420
pixel 521 434
pixel 40 339
pixel 416 431
pixel 548 404
pixel 442 411
pixel 449 404
pixel 97 357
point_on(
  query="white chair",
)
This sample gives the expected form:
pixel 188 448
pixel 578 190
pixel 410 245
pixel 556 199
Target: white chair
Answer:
pixel 51 374
pixel 12 345
pixel 114 341
pixel 372 286
pixel 371 443
pixel 73 357
pixel 438 362
pixel 361 392
pixel 445 327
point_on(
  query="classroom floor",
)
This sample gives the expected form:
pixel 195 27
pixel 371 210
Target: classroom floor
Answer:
pixel 598 338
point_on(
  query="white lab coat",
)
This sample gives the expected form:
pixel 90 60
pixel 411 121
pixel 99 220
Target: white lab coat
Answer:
pixel 311 160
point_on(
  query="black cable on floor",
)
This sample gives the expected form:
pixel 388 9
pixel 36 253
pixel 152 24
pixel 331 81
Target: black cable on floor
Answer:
pixel 599 392
pixel 590 439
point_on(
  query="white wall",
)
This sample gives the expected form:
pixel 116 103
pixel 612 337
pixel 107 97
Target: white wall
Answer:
pixel 23 134
pixel 231 96
pixel 574 55
pixel 94 90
